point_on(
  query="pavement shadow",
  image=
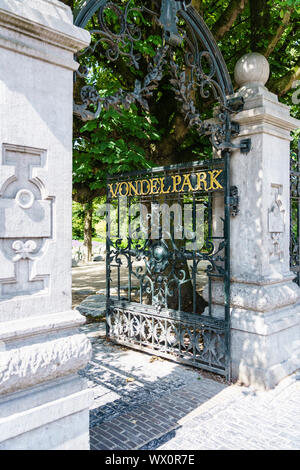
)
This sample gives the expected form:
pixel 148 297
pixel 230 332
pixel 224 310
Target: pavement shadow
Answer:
pixel 140 400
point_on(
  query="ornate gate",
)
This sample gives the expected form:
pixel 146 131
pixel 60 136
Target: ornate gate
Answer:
pixel 169 248
pixel 181 245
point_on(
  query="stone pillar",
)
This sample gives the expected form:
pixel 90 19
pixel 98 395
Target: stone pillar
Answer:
pixel 43 402
pixel 265 310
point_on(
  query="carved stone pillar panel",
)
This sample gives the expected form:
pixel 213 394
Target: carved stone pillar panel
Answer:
pixel 41 348
pixel 35 156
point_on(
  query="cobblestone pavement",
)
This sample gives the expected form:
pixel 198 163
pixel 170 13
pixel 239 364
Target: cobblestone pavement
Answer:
pixel 142 402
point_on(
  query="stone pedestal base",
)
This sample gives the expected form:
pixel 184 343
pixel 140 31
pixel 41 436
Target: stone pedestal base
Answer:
pixel 265 346
pixel 43 403
pixel 265 330
pixel 52 416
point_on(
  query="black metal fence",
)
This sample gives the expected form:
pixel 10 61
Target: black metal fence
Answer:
pixel 295 213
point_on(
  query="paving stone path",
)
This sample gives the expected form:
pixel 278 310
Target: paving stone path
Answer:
pixel 142 402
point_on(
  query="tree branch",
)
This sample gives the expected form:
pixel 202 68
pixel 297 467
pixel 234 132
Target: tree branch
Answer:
pixel 274 40
pixel 285 83
pixel 260 23
pixel 228 17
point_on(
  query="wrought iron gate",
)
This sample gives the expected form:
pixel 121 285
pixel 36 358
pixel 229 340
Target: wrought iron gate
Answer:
pixel 169 243
pixel 167 309
pixel 295 213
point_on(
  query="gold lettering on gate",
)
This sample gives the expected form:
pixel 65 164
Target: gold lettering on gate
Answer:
pixel 162 191
pixel 187 182
pixel 214 183
pixel 176 182
pixel 201 180
pixel 153 184
pixel 206 180
pixel 142 187
pixel 133 189
pixel 120 189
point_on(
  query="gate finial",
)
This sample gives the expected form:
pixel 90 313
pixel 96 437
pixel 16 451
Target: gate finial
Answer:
pixel 168 19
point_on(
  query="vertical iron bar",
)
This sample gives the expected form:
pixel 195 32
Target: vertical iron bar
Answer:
pixel 194 255
pixel 119 267
pixel 108 270
pixel 129 251
pixel 210 234
pixel 227 265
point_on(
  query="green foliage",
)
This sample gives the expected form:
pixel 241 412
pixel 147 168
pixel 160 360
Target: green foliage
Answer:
pixel 112 144
pixel 77 221
pixel 78 213
pixel 133 139
pixel 289 4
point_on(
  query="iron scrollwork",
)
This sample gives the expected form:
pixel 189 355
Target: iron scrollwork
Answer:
pixel 140 94
pixel 169 335
pixel 202 69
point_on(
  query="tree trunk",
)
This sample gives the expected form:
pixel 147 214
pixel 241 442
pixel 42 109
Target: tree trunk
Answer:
pixel 88 231
pixel 179 268
pixel 260 23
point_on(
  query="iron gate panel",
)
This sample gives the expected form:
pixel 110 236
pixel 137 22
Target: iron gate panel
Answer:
pixel 160 268
pixel 199 342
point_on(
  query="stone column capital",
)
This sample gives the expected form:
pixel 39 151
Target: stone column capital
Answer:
pixel 262 107
pixel 44 30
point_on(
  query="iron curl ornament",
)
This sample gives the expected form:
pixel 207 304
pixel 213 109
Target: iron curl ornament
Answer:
pixel 116 32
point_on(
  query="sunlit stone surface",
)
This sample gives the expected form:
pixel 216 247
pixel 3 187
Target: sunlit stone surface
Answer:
pixel 43 402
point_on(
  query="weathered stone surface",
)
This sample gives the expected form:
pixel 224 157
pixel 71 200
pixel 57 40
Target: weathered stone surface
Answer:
pixel 32 362
pixel 94 306
pixel 265 313
pixel 39 340
pixel 43 417
pixel 261 297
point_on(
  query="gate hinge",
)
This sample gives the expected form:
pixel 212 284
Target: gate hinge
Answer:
pixel 245 144
pixel 234 201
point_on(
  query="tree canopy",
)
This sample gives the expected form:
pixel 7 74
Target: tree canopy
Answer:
pixel 132 138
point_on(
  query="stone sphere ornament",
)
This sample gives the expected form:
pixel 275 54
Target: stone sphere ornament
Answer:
pixel 252 68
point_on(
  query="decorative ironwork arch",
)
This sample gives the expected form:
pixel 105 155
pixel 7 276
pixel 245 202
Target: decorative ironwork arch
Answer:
pixel 204 65
pixel 193 61
pixel 192 17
